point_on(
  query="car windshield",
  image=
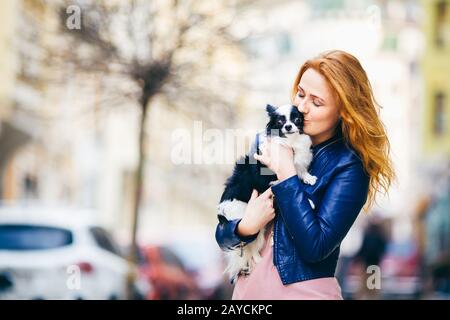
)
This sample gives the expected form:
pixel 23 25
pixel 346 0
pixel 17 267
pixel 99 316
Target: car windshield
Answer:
pixel 30 237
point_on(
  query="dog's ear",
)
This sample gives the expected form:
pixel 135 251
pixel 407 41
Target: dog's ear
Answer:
pixel 270 109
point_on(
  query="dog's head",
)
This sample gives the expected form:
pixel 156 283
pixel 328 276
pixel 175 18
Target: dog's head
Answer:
pixel 284 120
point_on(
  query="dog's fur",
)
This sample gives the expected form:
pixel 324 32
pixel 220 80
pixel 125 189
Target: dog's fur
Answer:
pixel 285 127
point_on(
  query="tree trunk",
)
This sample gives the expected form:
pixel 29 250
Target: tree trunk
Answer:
pixel 133 254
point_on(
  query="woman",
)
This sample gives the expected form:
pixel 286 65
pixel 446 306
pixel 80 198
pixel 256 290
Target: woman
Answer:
pixel 351 161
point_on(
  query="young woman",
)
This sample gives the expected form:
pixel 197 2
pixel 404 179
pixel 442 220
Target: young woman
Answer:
pixel 351 161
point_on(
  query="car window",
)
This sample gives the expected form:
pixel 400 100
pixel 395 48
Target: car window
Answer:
pixel 31 237
pixel 104 240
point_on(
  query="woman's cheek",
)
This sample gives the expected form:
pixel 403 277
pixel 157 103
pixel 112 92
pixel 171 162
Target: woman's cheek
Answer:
pixel 308 128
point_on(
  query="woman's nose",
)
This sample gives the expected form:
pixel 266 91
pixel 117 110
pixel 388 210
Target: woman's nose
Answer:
pixel 302 107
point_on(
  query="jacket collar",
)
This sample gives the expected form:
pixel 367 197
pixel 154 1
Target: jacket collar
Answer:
pixel 337 136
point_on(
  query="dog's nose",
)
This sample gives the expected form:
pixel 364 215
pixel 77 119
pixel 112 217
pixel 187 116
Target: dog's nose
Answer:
pixel 288 127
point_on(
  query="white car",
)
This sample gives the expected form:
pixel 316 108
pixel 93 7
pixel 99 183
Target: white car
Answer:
pixel 58 254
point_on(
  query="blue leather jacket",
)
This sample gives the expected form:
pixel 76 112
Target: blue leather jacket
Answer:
pixel 311 221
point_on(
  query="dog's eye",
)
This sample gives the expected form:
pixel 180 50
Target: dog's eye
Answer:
pixel 280 121
pixel 297 120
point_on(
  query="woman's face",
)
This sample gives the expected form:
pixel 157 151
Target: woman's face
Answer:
pixel 316 101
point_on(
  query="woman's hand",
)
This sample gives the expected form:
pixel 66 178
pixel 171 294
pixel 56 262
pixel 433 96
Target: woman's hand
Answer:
pixel 278 158
pixel 258 213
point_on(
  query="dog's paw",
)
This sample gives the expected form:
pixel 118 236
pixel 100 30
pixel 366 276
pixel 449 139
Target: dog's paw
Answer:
pixel 309 179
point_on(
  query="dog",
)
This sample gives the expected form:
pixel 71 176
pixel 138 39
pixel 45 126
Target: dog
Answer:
pixel 285 126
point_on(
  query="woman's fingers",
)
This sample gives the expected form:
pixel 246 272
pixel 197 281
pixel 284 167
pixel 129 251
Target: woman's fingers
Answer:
pixel 265 150
pixel 263 147
pixel 264 157
pixel 261 157
pixel 267 194
pixel 254 194
pixel 271 216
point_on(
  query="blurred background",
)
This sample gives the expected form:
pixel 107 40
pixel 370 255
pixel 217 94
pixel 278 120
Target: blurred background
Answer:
pixel 121 120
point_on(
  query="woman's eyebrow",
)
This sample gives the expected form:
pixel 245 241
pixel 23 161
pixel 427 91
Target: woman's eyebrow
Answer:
pixel 315 96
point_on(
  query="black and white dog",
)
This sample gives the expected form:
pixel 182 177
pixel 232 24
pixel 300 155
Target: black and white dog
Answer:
pixel 285 127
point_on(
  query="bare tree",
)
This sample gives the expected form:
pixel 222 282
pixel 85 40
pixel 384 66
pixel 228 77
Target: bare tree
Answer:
pixel 163 48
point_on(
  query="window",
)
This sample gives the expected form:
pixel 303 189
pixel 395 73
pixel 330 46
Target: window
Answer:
pixel 439 114
pixel 442 27
pixel 30 237
pixel 390 42
pixel 318 7
pixel 284 43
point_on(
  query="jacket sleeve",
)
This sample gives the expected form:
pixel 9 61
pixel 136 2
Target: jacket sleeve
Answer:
pixel 227 237
pixel 226 231
pixel 317 233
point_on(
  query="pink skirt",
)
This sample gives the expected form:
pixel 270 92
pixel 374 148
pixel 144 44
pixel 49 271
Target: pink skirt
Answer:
pixel 264 282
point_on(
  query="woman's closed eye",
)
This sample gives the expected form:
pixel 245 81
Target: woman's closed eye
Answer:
pixel 315 101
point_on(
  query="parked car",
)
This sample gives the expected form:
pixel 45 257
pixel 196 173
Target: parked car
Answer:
pixel 167 275
pixel 185 266
pixel 58 253
pixel 205 261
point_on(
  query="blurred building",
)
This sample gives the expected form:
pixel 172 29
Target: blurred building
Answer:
pixel 398 88
pixel 433 216
pixel 436 66
pixel 38 165
pixel 386 37
pixel 48 153
pixel 181 198
pixel 14 132
pixel 78 145
pixel 7 63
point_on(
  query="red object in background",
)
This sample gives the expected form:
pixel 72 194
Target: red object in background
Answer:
pixel 167 276
pixel 85 267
